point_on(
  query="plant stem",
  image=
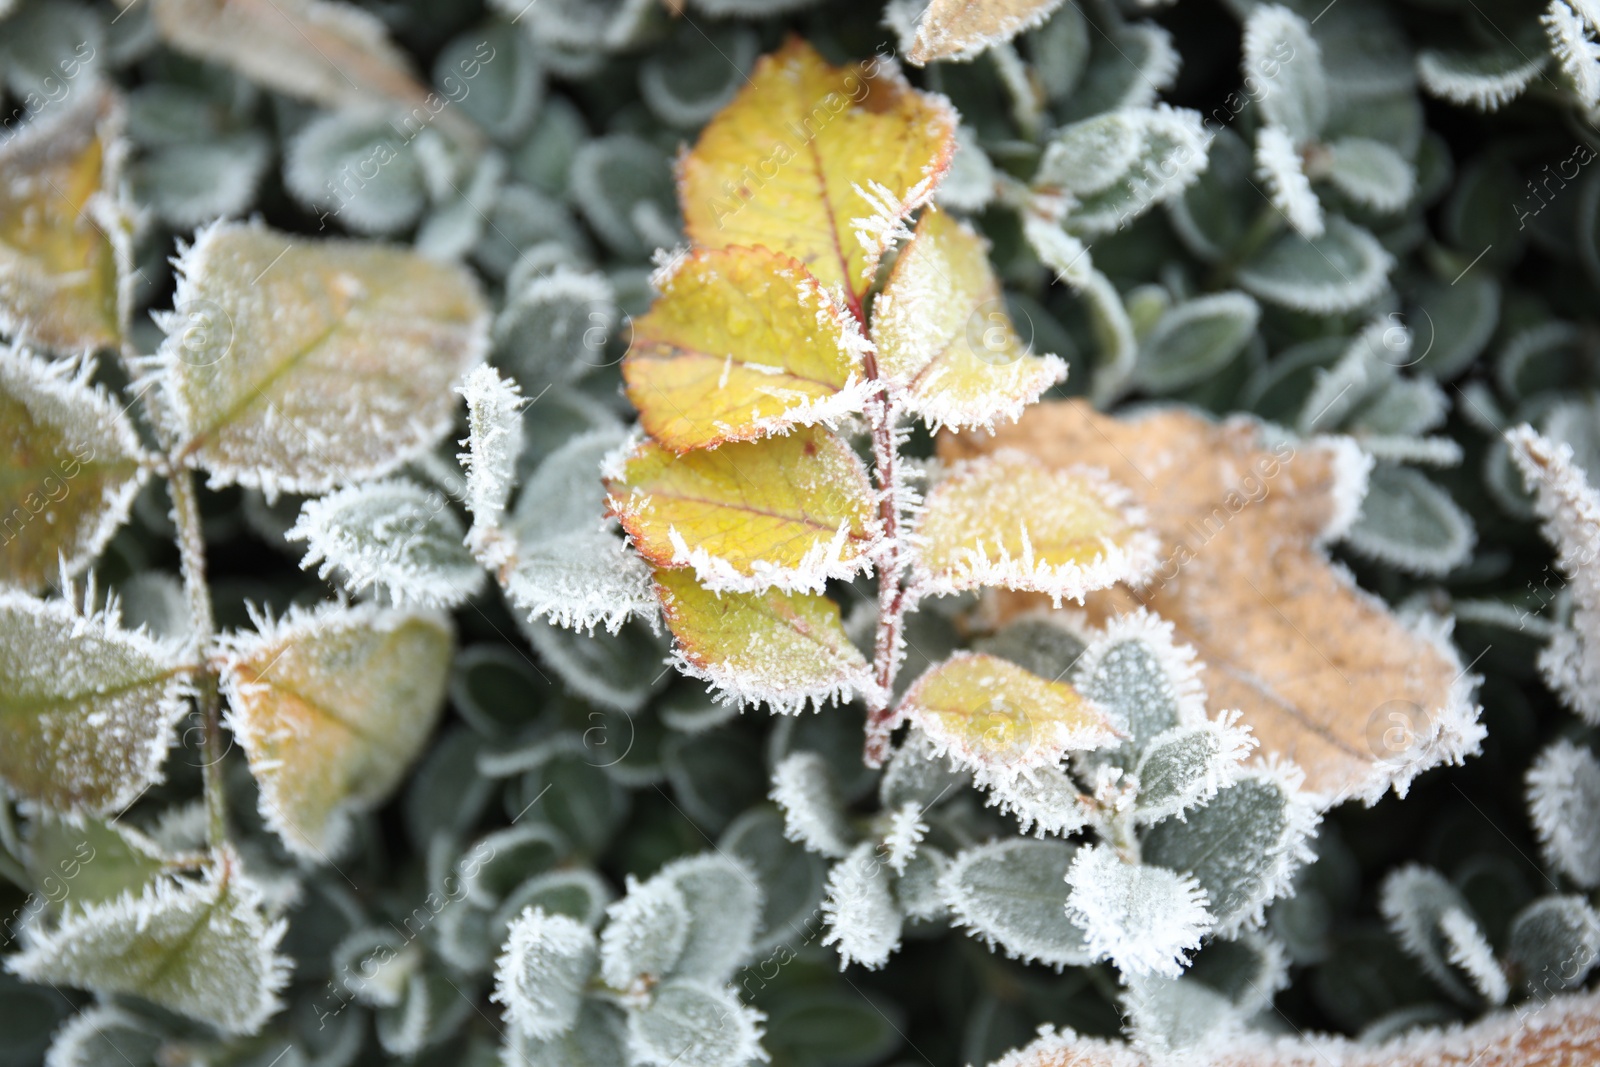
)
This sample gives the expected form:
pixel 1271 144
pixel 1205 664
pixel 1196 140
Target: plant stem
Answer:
pixel 881 414
pixel 192 552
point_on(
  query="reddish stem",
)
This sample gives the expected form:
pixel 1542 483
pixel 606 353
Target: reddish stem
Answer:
pixel 881 414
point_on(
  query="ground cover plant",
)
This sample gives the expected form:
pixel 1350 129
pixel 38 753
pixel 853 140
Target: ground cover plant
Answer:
pixel 709 532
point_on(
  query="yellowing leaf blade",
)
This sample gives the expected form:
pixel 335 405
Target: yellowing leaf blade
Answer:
pixel 943 333
pixel 331 708
pixel 301 365
pixel 1008 520
pixel 788 512
pixel 992 716
pixel 69 468
pixel 788 649
pixel 58 259
pixel 742 343
pixel 809 156
pixel 86 707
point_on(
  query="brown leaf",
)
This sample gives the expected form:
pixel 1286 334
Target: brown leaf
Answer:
pixel 960 29
pixel 1564 1030
pixel 1325 674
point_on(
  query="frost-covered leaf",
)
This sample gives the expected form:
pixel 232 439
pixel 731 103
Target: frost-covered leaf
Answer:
pixel 943 334
pixel 195 182
pixel 1145 919
pixel 1417 902
pixel 331 708
pixel 645 934
pixel 1009 520
pixel 623 186
pixel 724 901
pixel 1280 165
pixel 1554 943
pixel 1129 66
pixel 95 860
pixel 86 707
pixel 855 176
pixel 1341 270
pixel 960 29
pixel 1468 948
pixel 1487 79
pixel 1243 846
pixel 1249 970
pixel 618 670
pixel 969 186
pixel 556 327
pixel 1194 340
pixel 1186 765
pixel 988 714
pixel 787 649
pixel 1171 1017
pixel 1120 164
pixel 105 1036
pixel 355 167
pixel 393 535
pixel 1570 508
pixel 1371 173
pixel 1044 800
pixel 742 343
pixel 1571 32
pixel 540 976
pixel 59 228
pixel 914 774
pixel 860 910
pixel 1324 673
pixel 597 1039
pixel 695 1022
pixel 323 50
pixel 493 443
pixel 687 83
pixel 1147 682
pixel 813 815
pixel 1280 51
pixel 320 362
pixel 1563 795
pixel 1011 893
pixel 1409 522
pixel 792 512
pixel 69 468
pixel 792 879
pixel 199 946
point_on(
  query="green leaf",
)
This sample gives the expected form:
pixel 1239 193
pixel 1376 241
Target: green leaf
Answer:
pixel 492 73
pixel 696 1020
pixel 863 919
pixel 1453 323
pixel 792 879
pixel 295 365
pixel 556 328
pixel 724 902
pixel 1487 80
pixel 69 467
pixel 541 974
pixel 623 186
pixel 194 182
pixel 1411 523
pixel 1371 173
pixel 86 707
pixel 355 167
pixel 1187 765
pixel 1011 893
pixel 1280 51
pixel 645 934
pixel 332 707
pixel 1194 340
pixel 92 862
pixel 1415 901
pixel 1120 164
pixel 1554 942
pixel 105 1036
pixel 1243 847
pixel 619 671
pixel 597 1039
pixel 394 536
pixel 689 80
pixel 59 226
pixel 1340 271
pixel 197 946
pixel 1215 212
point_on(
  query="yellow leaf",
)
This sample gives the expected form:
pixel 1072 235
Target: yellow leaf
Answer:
pixel 1324 673
pixel 788 649
pixel 741 343
pixel 821 163
pixel 301 365
pixel 58 262
pixel 944 335
pixel 331 707
pixel 791 512
pixel 1008 520
pixel 992 716
pixel 1558 1030
pixel 69 468
pixel 960 29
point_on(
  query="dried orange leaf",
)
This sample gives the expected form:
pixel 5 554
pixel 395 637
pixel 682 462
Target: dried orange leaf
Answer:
pixel 1324 673
pixel 1009 520
pixel 788 649
pixel 741 343
pixel 58 259
pixel 960 29
pixel 1561 1030
pixel 333 53
pixel 331 707
pixel 69 468
pixel 300 365
pixel 821 163
pixel 943 333
pixel 992 716
pixel 791 512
